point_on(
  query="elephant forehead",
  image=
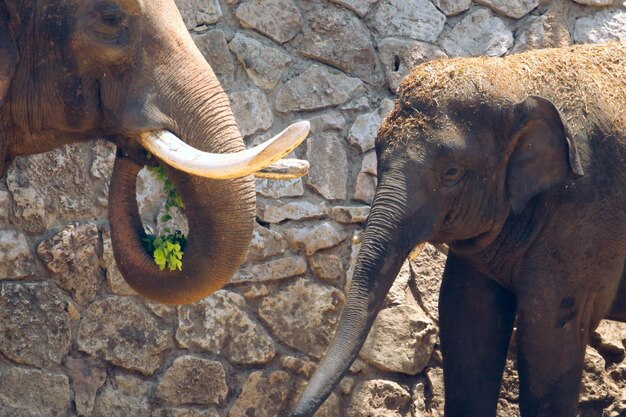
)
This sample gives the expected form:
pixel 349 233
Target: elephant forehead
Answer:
pixel 461 79
pixel 441 129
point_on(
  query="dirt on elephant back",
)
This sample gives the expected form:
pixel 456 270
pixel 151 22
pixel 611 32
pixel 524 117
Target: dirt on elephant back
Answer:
pixel 584 82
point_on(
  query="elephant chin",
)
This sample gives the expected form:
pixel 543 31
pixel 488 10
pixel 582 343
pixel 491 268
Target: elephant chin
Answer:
pixel 221 218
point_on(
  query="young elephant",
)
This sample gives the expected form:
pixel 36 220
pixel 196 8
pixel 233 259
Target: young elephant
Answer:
pixel 519 165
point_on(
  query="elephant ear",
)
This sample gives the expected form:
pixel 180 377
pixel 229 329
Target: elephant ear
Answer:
pixel 542 152
pixel 8 51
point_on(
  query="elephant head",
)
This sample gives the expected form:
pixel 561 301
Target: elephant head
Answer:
pixel 128 71
pixel 459 154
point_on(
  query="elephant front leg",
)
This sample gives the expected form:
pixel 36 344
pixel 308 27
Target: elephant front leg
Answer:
pixel 476 318
pixel 551 349
pixel 560 301
pixel 5 163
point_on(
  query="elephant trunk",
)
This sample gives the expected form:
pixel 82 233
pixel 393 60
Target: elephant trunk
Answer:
pixel 220 228
pixel 220 213
pixel 383 251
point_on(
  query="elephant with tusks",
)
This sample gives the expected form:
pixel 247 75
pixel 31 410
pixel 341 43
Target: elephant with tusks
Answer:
pixel 128 71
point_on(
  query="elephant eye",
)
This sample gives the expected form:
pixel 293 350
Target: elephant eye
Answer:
pixel 110 22
pixel 452 174
pixel 112 18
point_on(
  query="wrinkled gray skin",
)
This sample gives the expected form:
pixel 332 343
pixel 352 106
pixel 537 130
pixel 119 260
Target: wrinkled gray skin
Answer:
pixel 521 170
pixel 73 70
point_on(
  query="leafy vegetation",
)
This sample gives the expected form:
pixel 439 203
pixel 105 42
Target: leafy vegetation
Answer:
pixel 167 250
pixel 173 199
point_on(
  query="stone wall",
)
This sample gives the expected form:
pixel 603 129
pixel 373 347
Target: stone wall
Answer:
pixel 75 341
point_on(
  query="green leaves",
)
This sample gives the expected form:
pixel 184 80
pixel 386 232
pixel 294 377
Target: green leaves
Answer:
pixel 173 199
pixel 167 250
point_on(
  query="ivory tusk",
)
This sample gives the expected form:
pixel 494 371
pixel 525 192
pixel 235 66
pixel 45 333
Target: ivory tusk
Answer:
pixel 285 169
pixel 176 153
pixel 416 251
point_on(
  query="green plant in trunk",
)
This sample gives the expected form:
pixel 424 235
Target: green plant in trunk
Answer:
pixel 167 250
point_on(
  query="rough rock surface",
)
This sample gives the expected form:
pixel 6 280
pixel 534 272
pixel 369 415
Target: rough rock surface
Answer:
pixel 30 392
pixel 192 380
pixel 366 179
pixel 549 30
pixel 123 396
pixel 184 412
pixel 17 260
pixel 328 121
pixel 72 256
pixel 610 338
pixel 264 394
pixel 87 376
pixel 329 166
pixel 604 26
pixel 350 214
pixel 278 189
pixel 265 244
pixel 452 7
pixel 214 47
pixel 399 56
pixel 402 337
pixel 219 325
pixel 360 7
pixel 264 65
pixel 298 210
pixel 5 206
pixel 124 334
pixel 252 111
pixel 595 383
pixel 378 398
pixel 76 340
pixel 479 33
pixel 35 326
pixel 279 19
pixel 513 9
pixel 316 88
pixel 363 132
pixel 273 394
pixel 328 267
pixel 401 340
pixel 115 281
pixel 44 190
pixel 340 39
pixel 307 316
pixel 272 270
pixel 426 272
pixel 598 3
pixel 313 238
pixel 197 13
pixel 415 19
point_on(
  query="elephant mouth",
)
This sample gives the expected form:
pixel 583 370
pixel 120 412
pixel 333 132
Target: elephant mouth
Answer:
pixel 476 243
pixel 170 149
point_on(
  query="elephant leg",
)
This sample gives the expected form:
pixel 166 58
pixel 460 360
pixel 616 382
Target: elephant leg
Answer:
pixel 5 163
pixel 560 301
pixel 551 349
pixel 618 309
pixel 476 318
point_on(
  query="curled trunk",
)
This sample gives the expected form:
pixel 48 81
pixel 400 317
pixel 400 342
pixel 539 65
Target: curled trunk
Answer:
pixel 220 216
pixel 220 213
